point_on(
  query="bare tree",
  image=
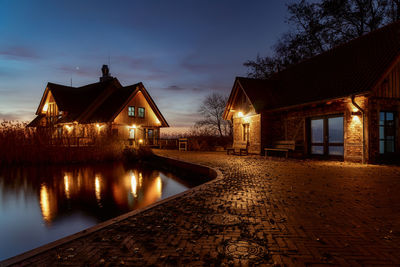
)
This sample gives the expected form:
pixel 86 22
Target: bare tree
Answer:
pixel 317 26
pixel 212 109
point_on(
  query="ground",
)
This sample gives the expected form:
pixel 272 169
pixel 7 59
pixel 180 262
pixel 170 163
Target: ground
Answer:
pixel 263 211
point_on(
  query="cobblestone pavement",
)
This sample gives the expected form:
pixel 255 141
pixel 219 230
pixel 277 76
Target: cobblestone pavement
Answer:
pixel 278 212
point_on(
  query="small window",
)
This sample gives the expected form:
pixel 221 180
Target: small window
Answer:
pixel 141 112
pixel 246 132
pixel 131 111
pixel 387 132
pixel 150 133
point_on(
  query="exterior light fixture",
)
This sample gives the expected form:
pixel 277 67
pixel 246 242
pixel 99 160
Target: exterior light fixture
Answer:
pixel 140 141
pixel 240 114
pixel 69 127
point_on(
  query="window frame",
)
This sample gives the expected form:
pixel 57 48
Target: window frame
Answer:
pixel 385 126
pixel 134 133
pixel 130 111
pixel 144 112
pixel 326 143
pixel 246 132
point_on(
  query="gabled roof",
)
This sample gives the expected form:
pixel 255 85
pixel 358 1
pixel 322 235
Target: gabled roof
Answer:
pixel 352 68
pixel 97 102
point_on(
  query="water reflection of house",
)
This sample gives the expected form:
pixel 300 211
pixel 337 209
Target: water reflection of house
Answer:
pixel 106 107
pixel 102 192
pixel 344 103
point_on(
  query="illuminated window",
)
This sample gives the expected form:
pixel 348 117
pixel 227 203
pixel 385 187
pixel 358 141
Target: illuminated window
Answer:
pixel 141 112
pixel 150 133
pixel 131 111
pixel 386 132
pixel 246 132
pixel 131 133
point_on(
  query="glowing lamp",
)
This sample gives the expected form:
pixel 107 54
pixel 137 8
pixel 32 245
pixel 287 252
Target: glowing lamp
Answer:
pixel 69 128
pixel 240 114
pixel 140 141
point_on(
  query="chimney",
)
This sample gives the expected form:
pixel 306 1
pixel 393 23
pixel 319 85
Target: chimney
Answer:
pixel 106 74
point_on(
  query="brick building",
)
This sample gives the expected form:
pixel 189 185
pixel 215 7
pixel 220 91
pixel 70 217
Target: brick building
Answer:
pixel 344 103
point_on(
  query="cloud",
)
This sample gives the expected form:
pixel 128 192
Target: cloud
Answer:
pixel 20 115
pixel 19 52
pixel 174 88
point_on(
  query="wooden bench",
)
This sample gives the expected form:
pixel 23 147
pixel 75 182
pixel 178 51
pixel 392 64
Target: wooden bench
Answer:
pixel 238 148
pixel 282 146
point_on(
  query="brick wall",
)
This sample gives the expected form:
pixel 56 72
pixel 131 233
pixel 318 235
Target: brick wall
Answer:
pixel 254 122
pixel 293 124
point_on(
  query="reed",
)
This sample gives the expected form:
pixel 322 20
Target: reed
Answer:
pixel 19 144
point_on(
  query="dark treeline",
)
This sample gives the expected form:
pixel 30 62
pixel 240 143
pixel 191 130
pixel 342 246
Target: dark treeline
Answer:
pixel 317 26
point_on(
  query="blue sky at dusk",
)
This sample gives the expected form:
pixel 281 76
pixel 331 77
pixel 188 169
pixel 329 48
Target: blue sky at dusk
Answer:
pixel 180 50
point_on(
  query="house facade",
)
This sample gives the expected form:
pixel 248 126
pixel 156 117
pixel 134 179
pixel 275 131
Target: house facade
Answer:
pixel 80 114
pixel 343 104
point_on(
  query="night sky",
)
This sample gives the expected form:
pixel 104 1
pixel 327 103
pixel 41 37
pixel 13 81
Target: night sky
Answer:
pixel 180 50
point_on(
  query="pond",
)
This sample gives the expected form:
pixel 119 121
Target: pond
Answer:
pixel 41 204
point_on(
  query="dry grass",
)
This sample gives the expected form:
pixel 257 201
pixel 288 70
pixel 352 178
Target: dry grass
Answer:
pixel 19 144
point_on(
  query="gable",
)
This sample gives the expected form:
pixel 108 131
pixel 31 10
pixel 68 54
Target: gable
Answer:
pixel 97 102
pixel 389 86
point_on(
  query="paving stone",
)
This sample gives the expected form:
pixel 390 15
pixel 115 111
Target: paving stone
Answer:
pixel 268 212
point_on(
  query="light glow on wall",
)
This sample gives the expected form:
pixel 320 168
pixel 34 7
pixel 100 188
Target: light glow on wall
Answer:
pixel 140 141
pixel 356 119
pixel 69 127
pixel 240 114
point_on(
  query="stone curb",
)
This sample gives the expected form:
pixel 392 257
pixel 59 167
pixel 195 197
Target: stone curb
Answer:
pixel 213 173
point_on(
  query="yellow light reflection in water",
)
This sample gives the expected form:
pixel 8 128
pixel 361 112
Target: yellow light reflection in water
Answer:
pixel 45 203
pixel 140 180
pixel 97 188
pixel 66 186
pixel 158 186
pixel 133 185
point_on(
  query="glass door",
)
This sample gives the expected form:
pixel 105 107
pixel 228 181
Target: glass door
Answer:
pixel 317 137
pixel 335 136
pixel 327 136
pixel 387 132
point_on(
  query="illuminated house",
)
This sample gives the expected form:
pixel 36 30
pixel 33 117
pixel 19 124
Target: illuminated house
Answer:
pixel 106 107
pixel 344 103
